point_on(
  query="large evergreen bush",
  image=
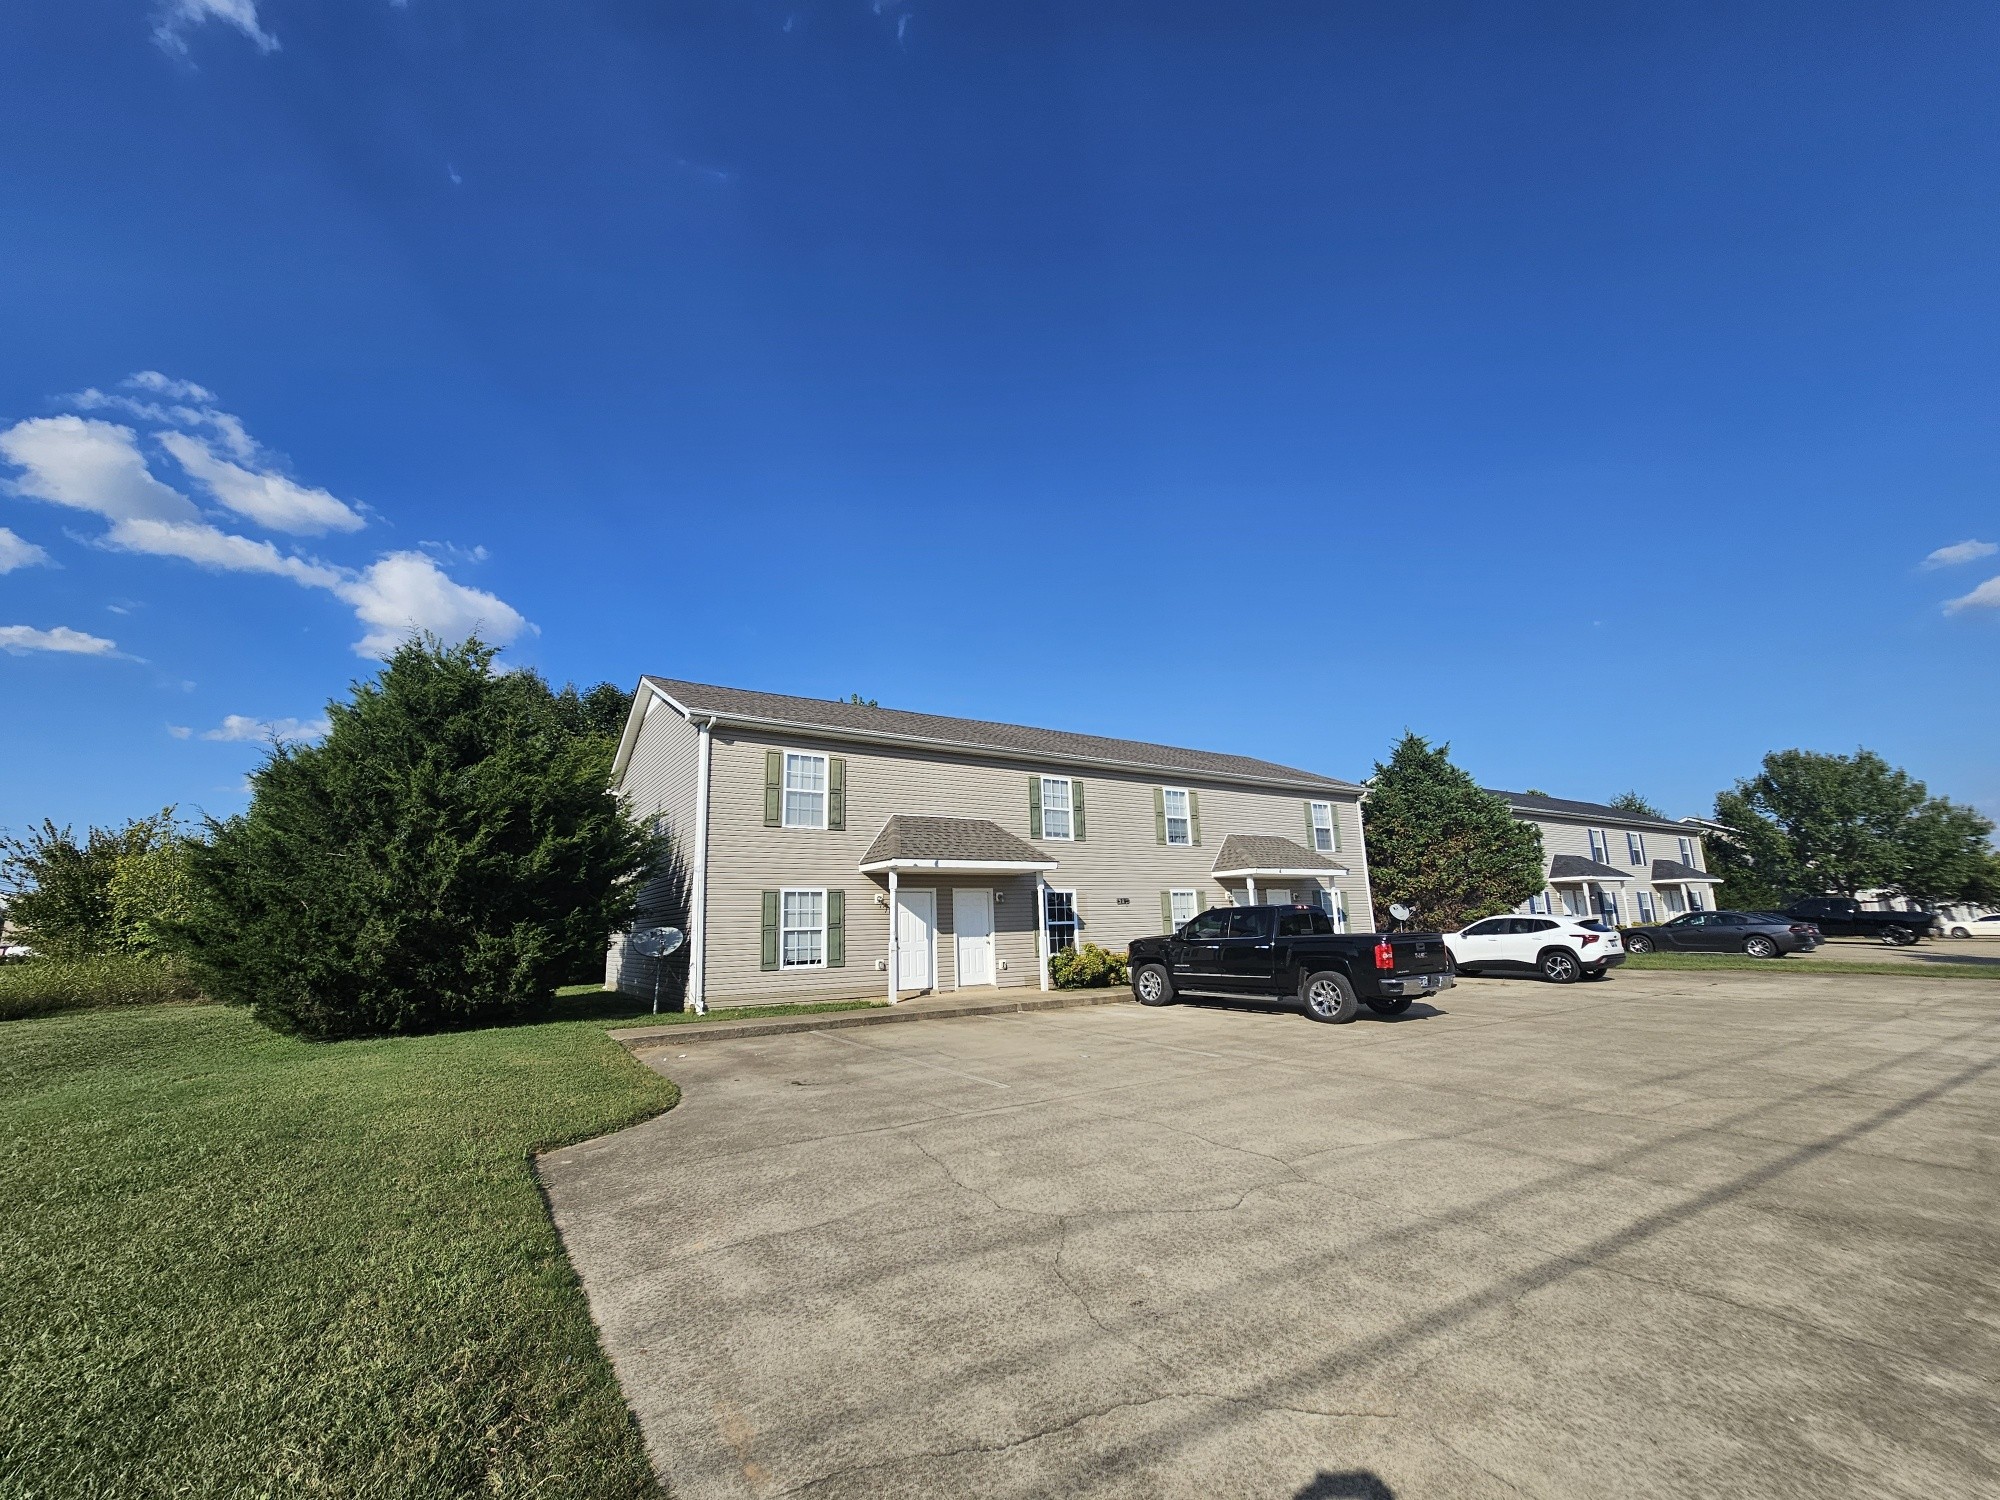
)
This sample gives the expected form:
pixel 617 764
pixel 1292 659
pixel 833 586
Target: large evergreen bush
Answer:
pixel 1441 845
pixel 445 857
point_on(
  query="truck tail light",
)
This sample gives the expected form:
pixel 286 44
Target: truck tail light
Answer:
pixel 1385 956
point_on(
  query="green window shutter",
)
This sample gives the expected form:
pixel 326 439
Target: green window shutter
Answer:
pixel 836 791
pixel 1076 810
pixel 1166 911
pixel 836 929
pixel 1159 815
pixel 770 958
pixel 1034 807
pixel 1194 815
pixel 774 788
pixel 1333 808
pixel 1312 833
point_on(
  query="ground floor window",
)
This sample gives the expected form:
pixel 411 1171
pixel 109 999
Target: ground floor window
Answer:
pixel 1539 903
pixel 1605 904
pixel 1645 900
pixel 1062 921
pixel 1334 904
pixel 1675 906
pixel 802 929
pixel 1694 899
pixel 1569 904
pixel 1182 906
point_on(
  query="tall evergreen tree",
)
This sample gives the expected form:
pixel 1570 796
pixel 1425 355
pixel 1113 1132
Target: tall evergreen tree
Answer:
pixel 1440 845
pixel 445 857
pixel 1633 803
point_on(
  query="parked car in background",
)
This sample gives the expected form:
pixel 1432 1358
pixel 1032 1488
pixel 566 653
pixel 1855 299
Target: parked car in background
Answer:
pixel 1288 953
pixel 1843 916
pixel 1560 949
pixel 1966 925
pixel 1758 934
pixel 1814 937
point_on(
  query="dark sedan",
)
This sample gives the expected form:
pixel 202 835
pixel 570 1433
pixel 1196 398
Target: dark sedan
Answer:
pixel 1756 933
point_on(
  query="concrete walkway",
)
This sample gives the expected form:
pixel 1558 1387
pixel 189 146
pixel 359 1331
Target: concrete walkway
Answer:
pixel 649 1039
pixel 1668 1235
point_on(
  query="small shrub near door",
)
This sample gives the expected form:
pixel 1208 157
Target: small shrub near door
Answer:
pixel 1087 968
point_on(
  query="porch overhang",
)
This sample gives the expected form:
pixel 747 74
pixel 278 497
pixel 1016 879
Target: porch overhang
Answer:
pixel 963 846
pixel 1257 856
pixel 1574 869
pixel 1265 872
pixel 1673 872
pixel 960 866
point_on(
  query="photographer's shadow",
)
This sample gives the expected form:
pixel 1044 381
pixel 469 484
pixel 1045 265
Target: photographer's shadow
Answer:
pixel 1348 1484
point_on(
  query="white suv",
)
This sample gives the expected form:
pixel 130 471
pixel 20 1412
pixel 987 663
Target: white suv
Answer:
pixel 1560 949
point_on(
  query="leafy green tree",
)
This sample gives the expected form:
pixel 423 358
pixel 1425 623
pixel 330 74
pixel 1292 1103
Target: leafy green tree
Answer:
pixel 108 892
pixel 1633 803
pixel 600 710
pixel 1440 845
pixel 1812 822
pixel 444 857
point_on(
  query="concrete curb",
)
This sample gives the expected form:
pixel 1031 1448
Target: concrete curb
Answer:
pixel 653 1038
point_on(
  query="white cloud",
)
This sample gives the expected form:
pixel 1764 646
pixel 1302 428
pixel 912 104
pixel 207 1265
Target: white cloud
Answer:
pixel 92 466
pixel 1960 552
pixel 269 499
pixel 166 385
pixel 405 593
pixel 180 731
pixel 19 552
pixel 18 640
pixel 210 547
pixel 239 728
pixel 177 17
pixel 1986 596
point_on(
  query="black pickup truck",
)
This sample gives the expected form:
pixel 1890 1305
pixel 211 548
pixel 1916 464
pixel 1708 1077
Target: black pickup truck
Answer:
pixel 1843 916
pixel 1289 953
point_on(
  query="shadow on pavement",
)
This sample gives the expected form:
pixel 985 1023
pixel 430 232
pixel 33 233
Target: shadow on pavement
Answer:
pixel 1348 1484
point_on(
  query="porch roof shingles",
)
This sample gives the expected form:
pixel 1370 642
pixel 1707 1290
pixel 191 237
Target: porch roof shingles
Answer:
pixel 959 841
pixel 1576 867
pixel 1533 804
pixel 1262 853
pixel 1673 872
pixel 840 720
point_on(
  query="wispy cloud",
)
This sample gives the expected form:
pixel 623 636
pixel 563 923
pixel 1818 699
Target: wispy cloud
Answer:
pixel 180 731
pixel 178 17
pixel 19 640
pixel 19 552
pixel 1961 552
pixel 100 467
pixel 1986 596
pixel 242 728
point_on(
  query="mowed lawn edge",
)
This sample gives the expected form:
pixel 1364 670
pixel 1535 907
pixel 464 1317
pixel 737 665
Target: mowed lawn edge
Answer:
pixel 233 1262
pixel 1943 967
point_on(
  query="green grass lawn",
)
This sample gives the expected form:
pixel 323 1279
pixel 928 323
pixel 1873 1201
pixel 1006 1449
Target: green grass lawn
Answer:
pixel 1800 964
pixel 236 1264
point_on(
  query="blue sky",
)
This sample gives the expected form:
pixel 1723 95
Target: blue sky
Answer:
pixel 1586 385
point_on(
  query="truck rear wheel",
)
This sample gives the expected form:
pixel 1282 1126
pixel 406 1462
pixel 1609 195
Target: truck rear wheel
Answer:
pixel 1388 1006
pixel 1329 997
pixel 1151 986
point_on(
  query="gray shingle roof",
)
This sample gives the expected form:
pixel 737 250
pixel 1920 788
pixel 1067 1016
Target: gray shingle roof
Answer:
pixel 1596 812
pixel 1673 869
pixel 1259 851
pixel 833 720
pixel 980 840
pixel 1576 867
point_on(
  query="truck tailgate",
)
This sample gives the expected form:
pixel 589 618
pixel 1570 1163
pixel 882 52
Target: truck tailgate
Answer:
pixel 1418 952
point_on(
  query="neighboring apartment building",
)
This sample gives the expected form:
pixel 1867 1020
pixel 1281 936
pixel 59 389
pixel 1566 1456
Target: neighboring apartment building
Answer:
pixel 824 850
pixel 1625 868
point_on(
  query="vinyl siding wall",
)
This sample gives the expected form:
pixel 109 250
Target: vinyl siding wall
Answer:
pixel 1119 857
pixel 659 786
pixel 1564 837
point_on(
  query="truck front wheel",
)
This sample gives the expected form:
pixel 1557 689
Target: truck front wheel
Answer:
pixel 1151 986
pixel 1329 997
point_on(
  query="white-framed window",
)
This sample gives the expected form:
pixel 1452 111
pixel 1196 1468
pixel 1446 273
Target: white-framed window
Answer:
pixel 1056 822
pixel 1334 904
pixel 1180 824
pixel 805 790
pixel 1606 904
pixel 1635 847
pixel 1645 900
pixel 1322 823
pixel 1694 899
pixel 1183 905
pixel 1569 904
pixel 1675 906
pixel 1061 917
pixel 1539 903
pixel 802 929
pixel 1687 854
pixel 1600 846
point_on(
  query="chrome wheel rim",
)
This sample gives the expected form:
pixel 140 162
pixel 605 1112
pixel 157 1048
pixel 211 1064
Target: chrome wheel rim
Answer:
pixel 1320 998
pixel 1149 985
pixel 1560 966
pixel 1761 947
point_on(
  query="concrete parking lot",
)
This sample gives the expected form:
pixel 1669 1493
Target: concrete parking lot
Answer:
pixel 1672 1234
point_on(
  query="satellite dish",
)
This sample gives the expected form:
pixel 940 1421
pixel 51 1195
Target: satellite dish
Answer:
pixel 656 942
pixel 1399 911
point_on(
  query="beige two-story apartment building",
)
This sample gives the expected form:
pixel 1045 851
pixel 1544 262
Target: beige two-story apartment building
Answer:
pixel 825 850
pixel 1605 862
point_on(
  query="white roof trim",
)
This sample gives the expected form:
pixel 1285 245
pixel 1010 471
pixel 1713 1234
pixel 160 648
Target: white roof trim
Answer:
pixel 1318 873
pixel 972 866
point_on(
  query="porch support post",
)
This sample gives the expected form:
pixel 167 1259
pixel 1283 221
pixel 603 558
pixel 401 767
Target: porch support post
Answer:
pixel 1251 882
pixel 895 950
pixel 1042 924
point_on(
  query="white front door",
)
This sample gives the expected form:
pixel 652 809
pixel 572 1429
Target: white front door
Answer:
pixel 916 933
pixel 972 926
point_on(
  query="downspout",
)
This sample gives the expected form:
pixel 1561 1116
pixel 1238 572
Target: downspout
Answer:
pixel 1361 833
pixel 697 996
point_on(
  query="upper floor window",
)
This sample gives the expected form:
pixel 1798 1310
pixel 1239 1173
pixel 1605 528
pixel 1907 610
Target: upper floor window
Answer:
pixel 1321 815
pixel 1180 821
pixel 1056 821
pixel 1687 854
pixel 805 790
pixel 1635 847
pixel 1600 849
